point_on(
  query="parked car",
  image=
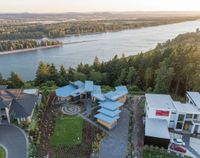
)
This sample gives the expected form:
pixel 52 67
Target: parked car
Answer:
pixel 177 148
pixel 178 141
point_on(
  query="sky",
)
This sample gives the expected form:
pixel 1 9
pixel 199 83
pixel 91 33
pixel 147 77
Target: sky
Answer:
pixel 58 6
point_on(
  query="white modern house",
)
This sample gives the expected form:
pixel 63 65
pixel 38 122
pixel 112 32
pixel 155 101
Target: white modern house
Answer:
pixel 181 117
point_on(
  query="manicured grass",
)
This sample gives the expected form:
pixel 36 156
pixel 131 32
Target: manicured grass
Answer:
pixel 68 131
pixel 2 153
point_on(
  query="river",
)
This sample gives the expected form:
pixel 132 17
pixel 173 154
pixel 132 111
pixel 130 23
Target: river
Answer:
pixel 84 48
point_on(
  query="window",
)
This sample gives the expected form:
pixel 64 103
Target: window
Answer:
pixel 195 117
pixel 179 125
pixel 188 116
pixel 181 117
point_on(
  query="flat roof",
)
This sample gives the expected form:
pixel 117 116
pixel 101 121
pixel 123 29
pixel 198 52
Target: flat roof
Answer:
pixel 105 118
pixel 195 96
pixel 109 112
pixel 157 128
pixel 110 105
pixel 89 86
pixel 160 101
pixel 186 108
pixel 31 91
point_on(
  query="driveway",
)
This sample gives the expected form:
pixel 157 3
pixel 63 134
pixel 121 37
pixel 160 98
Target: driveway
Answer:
pixel 14 140
pixel 115 144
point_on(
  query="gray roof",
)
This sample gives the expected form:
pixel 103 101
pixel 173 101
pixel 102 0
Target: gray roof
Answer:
pixel 3 87
pixel 157 128
pixel 160 101
pixel 195 96
pixel 186 108
pixel 23 107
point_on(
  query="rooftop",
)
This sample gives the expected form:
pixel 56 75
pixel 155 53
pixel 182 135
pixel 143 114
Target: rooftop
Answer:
pixel 160 101
pixel 109 112
pixel 186 108
pixel 111 105
pixel 89 86
pixel 195 96
pixel 106 118
pixel 156 128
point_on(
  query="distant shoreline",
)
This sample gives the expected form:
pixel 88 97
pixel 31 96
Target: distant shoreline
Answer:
pixel 28 49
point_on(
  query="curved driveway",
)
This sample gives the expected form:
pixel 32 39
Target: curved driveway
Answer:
pixel 14 140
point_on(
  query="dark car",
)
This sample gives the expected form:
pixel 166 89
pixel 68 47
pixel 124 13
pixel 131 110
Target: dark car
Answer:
pixel 178 148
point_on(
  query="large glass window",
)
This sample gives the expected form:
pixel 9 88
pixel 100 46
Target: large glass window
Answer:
pixel 195 117
pixel 188 116
pixel 181 117
pixel 179 125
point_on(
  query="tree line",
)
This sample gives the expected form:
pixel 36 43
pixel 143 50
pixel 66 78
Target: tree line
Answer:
pixel 25 44
pixel 172 67
pixel 38 30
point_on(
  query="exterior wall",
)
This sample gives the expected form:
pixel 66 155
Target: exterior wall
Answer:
pixel 107 125
pixel 151 113
pixel 122 99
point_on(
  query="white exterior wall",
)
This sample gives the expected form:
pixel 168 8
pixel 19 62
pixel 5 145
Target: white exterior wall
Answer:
pixel 151 113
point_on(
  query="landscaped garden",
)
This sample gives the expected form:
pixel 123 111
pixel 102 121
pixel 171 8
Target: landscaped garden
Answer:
pixel 67 131
pixel 2 153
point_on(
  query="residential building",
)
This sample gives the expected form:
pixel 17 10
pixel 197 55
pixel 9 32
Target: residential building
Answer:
pixel 110 104
pixel 180 117
pixel 18 104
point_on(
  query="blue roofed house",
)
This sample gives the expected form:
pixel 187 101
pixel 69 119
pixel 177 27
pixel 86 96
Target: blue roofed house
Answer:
pixel 111 106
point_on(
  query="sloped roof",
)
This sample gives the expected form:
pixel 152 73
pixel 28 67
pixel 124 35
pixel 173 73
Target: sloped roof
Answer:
pixel 65 91
pixel 111 105
pixel 80 84
pixel 89 86
pixel 3 87
pixel 106 118
pixel 23 106
pixel 122 89
pixel 195 96
pixel 109 112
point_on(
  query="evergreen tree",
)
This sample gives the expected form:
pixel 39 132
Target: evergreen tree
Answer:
pixel 15 81
pixel 164 78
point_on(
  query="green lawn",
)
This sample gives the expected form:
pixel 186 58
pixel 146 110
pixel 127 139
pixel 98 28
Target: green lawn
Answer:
pixel 68 131
pixel 2 153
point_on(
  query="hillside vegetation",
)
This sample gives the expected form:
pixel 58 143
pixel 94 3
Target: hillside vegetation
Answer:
pixel 172 67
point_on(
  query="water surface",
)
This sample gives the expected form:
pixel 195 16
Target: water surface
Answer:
pixel 104 45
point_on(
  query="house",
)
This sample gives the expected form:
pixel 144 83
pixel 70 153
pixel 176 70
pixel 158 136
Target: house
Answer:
pixel 110 104
pixel 18 104
pixel 156 132
pixel 77 90
pixel 180 117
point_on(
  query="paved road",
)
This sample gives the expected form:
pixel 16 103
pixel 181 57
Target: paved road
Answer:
pixel 14 140
pixel 115 144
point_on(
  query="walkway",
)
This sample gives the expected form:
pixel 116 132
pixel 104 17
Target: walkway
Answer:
pixel 14 140
pixel 115 144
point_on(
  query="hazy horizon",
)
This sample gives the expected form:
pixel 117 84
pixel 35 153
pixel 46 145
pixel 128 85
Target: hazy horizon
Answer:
pixel 64 6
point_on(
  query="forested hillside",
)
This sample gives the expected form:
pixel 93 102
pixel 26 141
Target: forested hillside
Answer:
pixel 16 31
pixel 172 67
pixel 25 44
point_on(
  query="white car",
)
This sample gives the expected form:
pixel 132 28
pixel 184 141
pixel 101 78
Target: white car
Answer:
pixel 178 142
